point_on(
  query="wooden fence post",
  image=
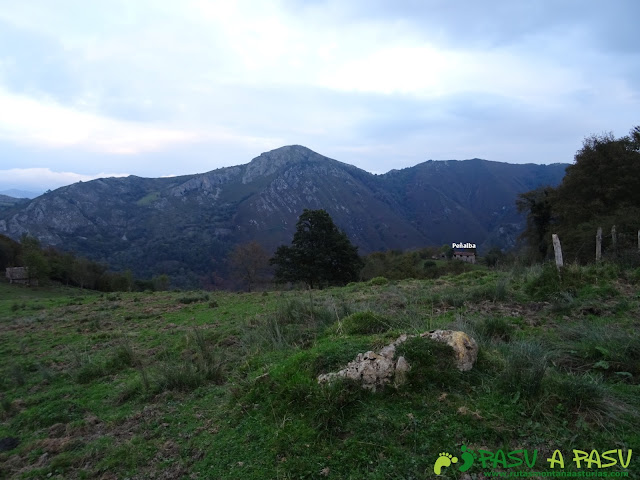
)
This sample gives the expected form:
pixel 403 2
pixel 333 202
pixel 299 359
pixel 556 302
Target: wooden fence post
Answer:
pixel 557 250
pixel 614 239
pixel 599 244
pixel 638 240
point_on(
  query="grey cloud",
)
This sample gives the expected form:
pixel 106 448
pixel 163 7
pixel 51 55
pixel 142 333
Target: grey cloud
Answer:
pixel 489 23
pixel 33 63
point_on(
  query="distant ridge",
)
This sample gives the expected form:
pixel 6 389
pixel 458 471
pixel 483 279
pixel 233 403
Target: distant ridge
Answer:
pixel 184 226
pixel 19 193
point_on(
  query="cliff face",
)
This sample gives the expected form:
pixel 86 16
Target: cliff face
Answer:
pixel 185 225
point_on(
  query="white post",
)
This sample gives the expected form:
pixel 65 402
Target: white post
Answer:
pixel 557 250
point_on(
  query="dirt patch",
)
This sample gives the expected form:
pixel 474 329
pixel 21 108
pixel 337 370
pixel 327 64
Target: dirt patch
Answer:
pixel 529 312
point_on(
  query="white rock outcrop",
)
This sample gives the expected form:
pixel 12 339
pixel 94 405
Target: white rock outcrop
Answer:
pixel 375 370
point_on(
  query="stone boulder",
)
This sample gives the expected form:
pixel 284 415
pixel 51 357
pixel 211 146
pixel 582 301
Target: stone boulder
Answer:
pixel 375 370
pixel 464 347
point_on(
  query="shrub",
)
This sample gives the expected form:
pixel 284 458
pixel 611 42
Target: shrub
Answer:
pixel 587 396
pixel 550 282
pixel 364 323
pixel 607 348
pixel 333 354
pixel 377 281
pixel 198 365
pixel 432 363
pixel 493 328
pixel 187 299
pixel 524 368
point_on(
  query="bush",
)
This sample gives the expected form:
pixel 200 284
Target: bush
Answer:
pixel 187 299
pixel 291 389
pixel 364 323
pixel 550 282
pixel 587 396
pixel 524 369
pixel 495 328
pixel 294 323
pixel 432 363
pixel 199 364
pixel 333 354
pixel 606 348
pixel 377 281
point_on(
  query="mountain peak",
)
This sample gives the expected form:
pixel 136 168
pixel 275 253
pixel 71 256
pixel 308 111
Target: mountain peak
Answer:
pixel 270 162
pixel 289 154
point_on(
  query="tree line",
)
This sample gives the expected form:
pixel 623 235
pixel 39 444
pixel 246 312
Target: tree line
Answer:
pixel 600 189
pixel 52 265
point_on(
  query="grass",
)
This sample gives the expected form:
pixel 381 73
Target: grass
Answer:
pixel 197 385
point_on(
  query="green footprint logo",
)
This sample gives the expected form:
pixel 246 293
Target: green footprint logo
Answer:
pixel 444 460
pixel 467 457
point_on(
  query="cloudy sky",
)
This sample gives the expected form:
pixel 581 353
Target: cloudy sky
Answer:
pixel 165 87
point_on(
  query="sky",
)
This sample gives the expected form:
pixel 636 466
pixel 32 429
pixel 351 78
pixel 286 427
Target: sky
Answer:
pixel 156 88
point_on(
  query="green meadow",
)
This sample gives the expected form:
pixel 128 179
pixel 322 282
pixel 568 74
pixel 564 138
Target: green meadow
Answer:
pixel 218 385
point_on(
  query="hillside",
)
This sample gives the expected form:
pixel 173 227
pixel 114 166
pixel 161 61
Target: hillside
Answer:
pixel 201 385
pixel 184 226
pixel 7 201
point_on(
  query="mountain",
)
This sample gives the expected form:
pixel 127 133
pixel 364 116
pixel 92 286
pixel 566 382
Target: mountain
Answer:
pixel 7 201
pixel 19 193
pixel 184 226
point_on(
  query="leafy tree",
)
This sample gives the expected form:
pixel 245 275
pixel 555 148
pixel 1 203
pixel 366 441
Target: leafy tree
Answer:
pixel 538 205
pixel 600 189
pixel 34 259
pixel 320 253
pixel 161 282
pixel 249 261
pixel 493 257
pixel 9 253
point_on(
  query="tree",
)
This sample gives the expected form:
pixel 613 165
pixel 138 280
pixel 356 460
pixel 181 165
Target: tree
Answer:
pixel 249 262
pixel 320 254
pixel 538 206
pixel 493 257
pixel 161 282
pixel 600 189
pixel 9 253
pixel 34 259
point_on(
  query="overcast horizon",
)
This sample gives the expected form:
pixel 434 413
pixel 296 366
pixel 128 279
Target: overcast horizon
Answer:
pixel 157 88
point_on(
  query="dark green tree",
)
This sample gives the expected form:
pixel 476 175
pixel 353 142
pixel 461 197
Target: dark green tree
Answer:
pixel 493 257
pixel 538 205
pixel 320 254
pixel 33 258
pixel 249 263
pixel 600 189
pixel 9 253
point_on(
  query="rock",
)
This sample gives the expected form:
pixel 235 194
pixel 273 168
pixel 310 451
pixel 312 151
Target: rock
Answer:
pixel 371 369
pixel 375 370
pixel 464 347
pixel 8 443
pixel 402 367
